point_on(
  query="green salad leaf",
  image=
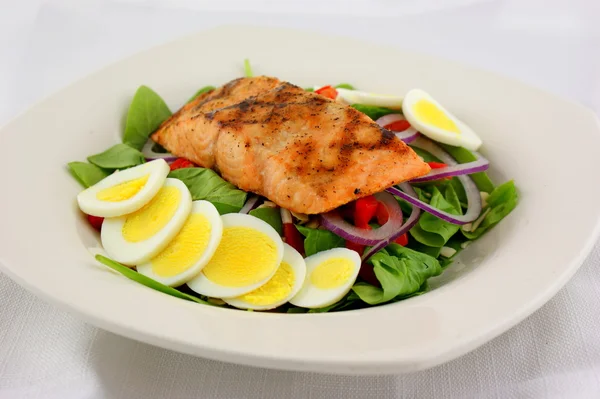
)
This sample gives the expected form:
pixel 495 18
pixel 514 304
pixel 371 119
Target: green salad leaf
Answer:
pixel 269 215
pixel 462 155
pixel 119 156
pixel 401 271
pixel 147 281
pixel 431 230
pixel 146 112
pixel 86 174
pixel 347 86
pixel 500 203
pixel 206 184
pixel 373 111
pixel 309 89
pixel 318 240
pixel 224 209
pixel 248 68
pixel 203 90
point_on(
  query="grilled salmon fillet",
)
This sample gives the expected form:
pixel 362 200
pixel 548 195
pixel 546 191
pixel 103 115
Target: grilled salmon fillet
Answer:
pixel 305 152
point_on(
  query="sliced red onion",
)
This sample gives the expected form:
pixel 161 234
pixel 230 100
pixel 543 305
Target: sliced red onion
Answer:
pixel 334 222
pixel 479 165
pixel 407 135
pixel 410 222
pixel 389 119
pixel 250 204
pixel 473 197
pixel 151 155
pixel 286 216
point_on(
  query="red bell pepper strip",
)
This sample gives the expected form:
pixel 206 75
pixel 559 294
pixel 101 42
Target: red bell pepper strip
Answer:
pixel 355 247
pixel 364 210
pixel 366 273
pixel 398 126
pixel 293 237
pixel 95 221
pixel 290 233
pixel 327 91
pixel 402 240
pixel 437 165
pixel 181 163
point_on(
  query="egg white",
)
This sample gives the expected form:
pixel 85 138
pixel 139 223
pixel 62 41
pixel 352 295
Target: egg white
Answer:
pixel 135 253
pixel 203 286
pixel 313 297
pixel 90 204
pixel 209 211
pixel 298 266
pixel 467 138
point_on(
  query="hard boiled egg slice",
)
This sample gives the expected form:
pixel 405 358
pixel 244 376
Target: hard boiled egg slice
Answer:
pixel 285 283
pixel 190 250
pixel 434 121
pixel 139 236
pixel 125 191
pixel 247 257
pixel 329 276
pixel 365 98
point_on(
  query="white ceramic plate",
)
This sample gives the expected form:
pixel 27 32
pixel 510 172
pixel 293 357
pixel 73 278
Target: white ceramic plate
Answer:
pixel 548 145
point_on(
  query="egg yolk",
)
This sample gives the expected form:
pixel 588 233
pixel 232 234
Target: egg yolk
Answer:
pixel 185 249
pixel 331 273
pixel 122 191
pixel 429 113
pixel 153 216
pixel 275 290
pixel 245 256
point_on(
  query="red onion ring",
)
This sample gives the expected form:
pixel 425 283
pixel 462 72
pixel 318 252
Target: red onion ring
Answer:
pixel 407 135
pixel 334 222
pixel 479 165
pixel 151 155
pixel 410 222
pixel 473 197
pixel 250 204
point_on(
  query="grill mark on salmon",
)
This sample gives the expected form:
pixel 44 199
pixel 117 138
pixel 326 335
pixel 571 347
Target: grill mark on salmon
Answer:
pixel 303 151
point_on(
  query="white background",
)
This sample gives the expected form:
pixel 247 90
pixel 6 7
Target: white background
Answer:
pixel 555 45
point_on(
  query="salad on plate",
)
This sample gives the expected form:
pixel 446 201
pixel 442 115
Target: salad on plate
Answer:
pixel 261 195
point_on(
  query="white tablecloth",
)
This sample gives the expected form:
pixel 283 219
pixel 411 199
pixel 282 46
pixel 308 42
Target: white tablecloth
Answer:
pixel 44 45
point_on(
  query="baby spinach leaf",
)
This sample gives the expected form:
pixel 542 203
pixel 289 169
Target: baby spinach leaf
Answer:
pixel 203 90
pixel 401 272
pixel 86 173
pixel 346 86
pixel 318 240
pixel 462 155
pixel 433 231
pixel 271 216
pixel 146 112
pixel 373 111
pixel 147 281
pixel 248 68
pixel 225 208
pixel 500 203
pixel 431 251
pixel 119 156
pixel 309 89
pixel 206 184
